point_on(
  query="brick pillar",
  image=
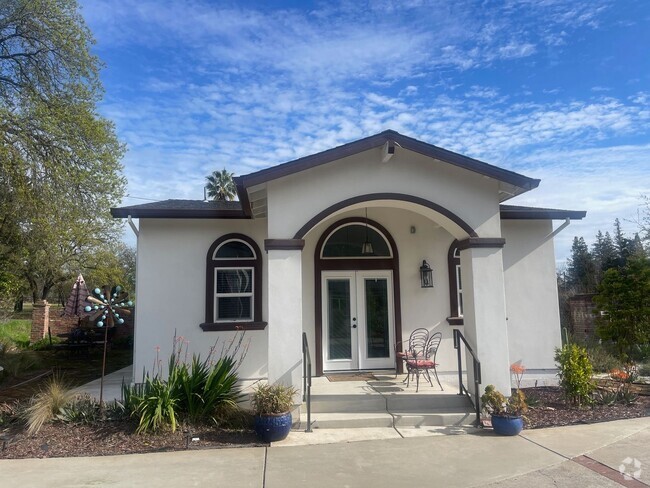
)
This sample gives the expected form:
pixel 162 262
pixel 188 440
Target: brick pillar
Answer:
pixel 40 321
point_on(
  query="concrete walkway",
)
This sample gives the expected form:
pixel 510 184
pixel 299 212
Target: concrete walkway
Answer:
pixel 112 385
pixel 577 456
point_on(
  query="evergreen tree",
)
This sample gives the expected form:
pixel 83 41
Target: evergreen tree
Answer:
pixel 604 254
pixel 636 247
pixel 581 269
pixel 621 244
pixel 624 298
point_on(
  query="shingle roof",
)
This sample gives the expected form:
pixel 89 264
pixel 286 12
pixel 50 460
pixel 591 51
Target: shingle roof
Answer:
pixel 378 140
pixel 182 209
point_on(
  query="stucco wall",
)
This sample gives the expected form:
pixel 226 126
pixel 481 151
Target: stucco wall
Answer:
pixel 171 286
pixel 531 292
pixel 474 198
pixel 420 307
pixel 171 290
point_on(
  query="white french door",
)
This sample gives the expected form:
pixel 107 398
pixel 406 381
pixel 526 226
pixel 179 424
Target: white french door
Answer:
pixel 358 320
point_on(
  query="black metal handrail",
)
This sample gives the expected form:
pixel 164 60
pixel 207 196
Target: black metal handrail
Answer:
pixel 476 401
pixel 306 378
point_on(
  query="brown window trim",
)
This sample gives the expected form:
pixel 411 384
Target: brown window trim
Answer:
pixel 225 326
pixel 452 261
pixel 211 265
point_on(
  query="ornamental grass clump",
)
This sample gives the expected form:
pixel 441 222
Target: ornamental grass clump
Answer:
pixel 575 372
pixel 273 399
pixel 47 404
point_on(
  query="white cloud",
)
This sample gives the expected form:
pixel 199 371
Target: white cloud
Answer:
pixel 247 88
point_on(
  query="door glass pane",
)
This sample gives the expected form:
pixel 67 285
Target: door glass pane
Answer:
pixel 338 315
pixel 376 291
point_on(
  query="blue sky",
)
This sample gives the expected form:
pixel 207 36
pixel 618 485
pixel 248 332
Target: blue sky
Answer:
pixel 557 90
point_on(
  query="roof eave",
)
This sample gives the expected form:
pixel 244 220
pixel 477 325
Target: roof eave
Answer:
pixel 125 212
pixel 377 140
pixel 542 214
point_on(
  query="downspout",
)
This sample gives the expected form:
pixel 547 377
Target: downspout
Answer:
pixel 566 224
pixel 135 229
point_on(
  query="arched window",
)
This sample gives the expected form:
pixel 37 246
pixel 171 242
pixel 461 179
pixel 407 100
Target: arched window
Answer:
pixel 348 242
pixel 455 286
pixel 233 283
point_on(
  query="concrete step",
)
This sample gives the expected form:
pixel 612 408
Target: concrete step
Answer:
pixel 324 403
pixel 348 420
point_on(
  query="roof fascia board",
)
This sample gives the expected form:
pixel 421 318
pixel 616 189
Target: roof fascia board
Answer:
pixel 531 214
pixel 177 213
pixel 378 140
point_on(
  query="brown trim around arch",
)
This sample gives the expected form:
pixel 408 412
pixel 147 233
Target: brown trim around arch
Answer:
pixel 353 265
pixel 384 196
pixel 256 264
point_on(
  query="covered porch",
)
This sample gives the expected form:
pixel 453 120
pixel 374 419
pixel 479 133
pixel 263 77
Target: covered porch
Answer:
pixel 357 309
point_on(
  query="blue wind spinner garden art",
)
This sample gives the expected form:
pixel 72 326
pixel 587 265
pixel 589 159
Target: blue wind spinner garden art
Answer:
pixel 108 308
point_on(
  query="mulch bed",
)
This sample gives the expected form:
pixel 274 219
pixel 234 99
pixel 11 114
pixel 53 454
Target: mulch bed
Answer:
pixel 553 411
pixel 116 437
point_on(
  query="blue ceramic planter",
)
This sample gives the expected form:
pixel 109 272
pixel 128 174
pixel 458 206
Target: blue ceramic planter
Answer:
pixel 273 428
pixel 507 425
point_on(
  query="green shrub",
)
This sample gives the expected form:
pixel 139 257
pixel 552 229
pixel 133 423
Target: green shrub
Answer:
pixel 602 360
pixel 202 388
pixel 201 391
pixel 606 397
pixel 575 372
pixel 154 405
pixel 82 409
pixel 495 403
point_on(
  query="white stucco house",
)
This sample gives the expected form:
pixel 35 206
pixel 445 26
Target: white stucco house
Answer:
pixel 292 256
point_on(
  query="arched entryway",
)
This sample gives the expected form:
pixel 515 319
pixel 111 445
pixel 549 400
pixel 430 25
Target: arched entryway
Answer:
pixel 357 297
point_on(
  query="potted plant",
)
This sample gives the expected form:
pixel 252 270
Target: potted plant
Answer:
pixel 506 414
pixel 272 406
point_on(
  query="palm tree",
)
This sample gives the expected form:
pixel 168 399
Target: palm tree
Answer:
pixel 221 185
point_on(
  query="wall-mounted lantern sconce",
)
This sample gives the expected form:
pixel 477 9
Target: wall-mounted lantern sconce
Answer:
pixel 366 249
pixel 426 275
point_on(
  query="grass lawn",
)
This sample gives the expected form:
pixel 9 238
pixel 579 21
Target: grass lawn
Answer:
pixel 23 363
pixel 16 331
